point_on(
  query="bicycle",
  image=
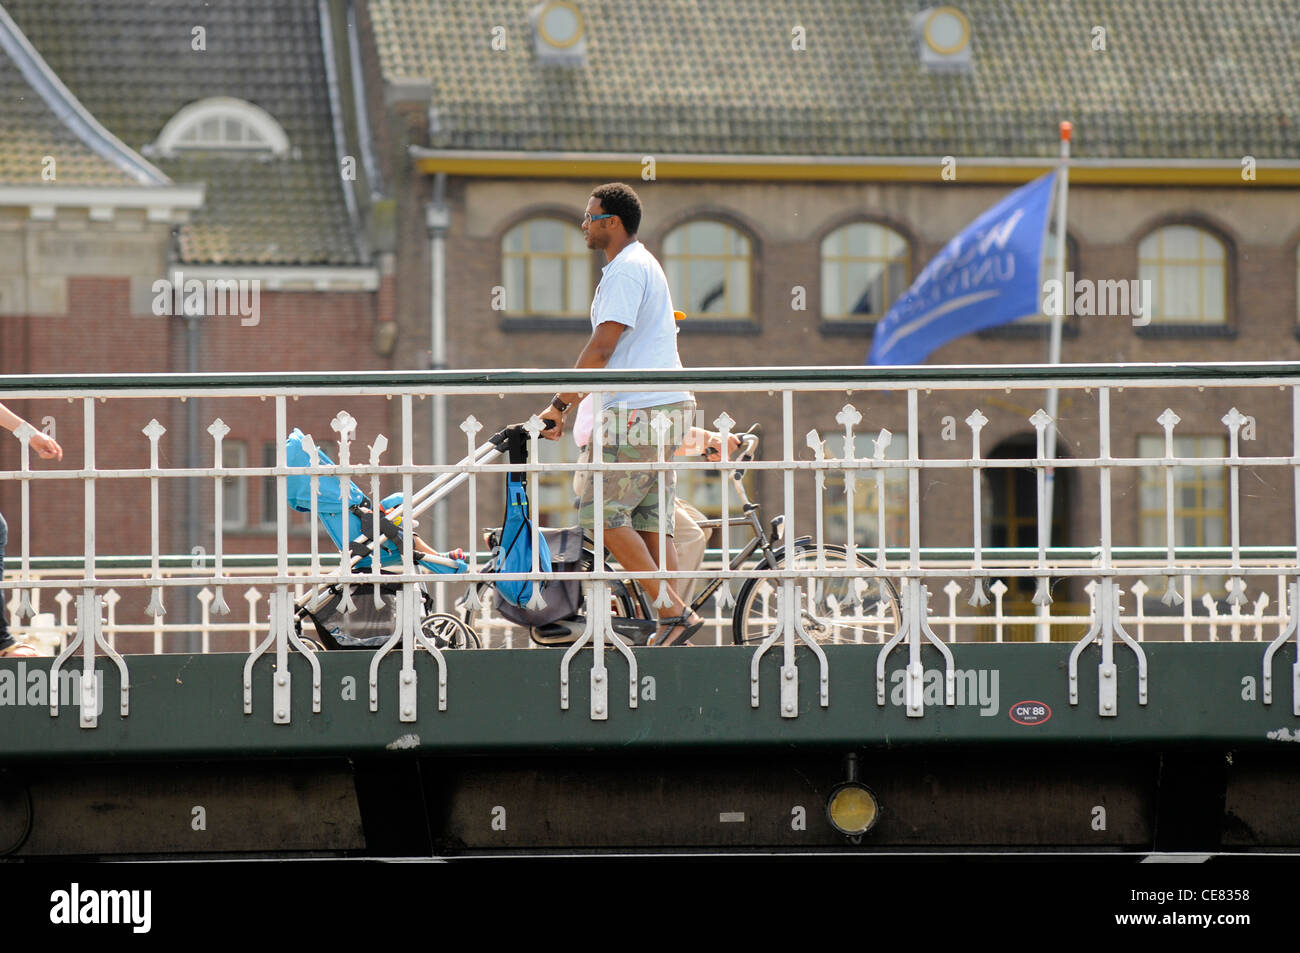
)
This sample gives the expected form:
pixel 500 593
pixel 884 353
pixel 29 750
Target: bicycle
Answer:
pixel 855 608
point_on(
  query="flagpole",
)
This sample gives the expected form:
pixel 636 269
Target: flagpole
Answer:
pixel 1054 347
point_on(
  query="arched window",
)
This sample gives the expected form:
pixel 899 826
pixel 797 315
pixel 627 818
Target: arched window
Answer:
pixel 1200 501
pixel 865 267
pixel 546 267
pixel 1187 268
pixel 709 268
pixel 224 124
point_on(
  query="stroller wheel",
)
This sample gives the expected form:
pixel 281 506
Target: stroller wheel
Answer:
pixel 448 632
pixel 312 643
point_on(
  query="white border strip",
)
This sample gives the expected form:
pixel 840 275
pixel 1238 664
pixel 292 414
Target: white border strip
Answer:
pixel 159 199
pixel 286 278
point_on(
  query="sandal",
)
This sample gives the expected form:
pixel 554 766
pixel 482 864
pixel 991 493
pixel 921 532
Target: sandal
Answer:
pixel 20 650
pixel 679 631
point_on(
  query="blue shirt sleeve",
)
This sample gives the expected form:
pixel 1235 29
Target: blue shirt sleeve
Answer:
pixel 618 298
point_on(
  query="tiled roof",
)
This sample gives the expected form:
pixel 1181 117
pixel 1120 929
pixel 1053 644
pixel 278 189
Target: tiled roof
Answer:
pixel 30 131
pixel 1178 78
pixel 130 62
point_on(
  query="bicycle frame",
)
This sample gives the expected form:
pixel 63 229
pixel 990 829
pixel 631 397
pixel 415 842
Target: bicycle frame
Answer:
pixel 749 517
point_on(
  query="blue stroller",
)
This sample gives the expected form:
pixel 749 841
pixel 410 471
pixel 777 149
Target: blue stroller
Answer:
pixel 321 617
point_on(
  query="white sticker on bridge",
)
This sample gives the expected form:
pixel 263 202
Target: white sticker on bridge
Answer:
pixel 731 817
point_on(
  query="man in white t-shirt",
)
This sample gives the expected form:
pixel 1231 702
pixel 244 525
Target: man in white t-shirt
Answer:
pixel 633 327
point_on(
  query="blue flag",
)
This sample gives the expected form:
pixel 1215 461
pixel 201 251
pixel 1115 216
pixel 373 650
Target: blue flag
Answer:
pixel 986 276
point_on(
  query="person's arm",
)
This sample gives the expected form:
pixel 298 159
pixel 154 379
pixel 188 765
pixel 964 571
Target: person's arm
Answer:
pixel 46 446
pixel 599 349
pixel 707 443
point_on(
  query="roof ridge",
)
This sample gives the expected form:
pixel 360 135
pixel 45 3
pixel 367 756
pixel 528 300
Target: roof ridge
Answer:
pixel 68 110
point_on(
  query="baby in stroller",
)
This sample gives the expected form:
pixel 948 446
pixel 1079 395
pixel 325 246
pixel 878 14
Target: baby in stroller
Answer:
pixel 335 616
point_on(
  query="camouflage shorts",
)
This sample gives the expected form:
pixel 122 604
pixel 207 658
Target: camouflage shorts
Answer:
pixel 632 496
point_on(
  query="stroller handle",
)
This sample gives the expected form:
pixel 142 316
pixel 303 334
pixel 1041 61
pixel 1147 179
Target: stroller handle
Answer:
pixel 499 438
pixel 431 494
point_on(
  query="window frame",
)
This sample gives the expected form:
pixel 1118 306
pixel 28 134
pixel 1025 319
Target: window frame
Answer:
pixel 555 498
pixel 1295 288
pixel 172 140
pixel 1153 478
pixel 299 523
pixel 527 312
pixel 906 256
pixel 234 455
pixel 1151 268
pixel 682 301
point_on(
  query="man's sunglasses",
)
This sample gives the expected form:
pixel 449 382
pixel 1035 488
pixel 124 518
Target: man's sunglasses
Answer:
pixel 596 218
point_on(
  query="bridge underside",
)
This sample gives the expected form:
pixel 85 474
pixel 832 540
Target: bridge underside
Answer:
pixel 1080 799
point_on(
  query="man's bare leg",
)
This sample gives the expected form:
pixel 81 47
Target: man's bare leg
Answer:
pixel 651 540
pixel 636 552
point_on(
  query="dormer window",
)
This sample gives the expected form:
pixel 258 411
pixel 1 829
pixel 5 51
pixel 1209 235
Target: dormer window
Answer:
pixel 944 35
pixel 221 124
pixel 558 33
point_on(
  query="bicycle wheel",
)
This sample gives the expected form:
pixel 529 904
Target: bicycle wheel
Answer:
pixel 835 610
pixel 448 632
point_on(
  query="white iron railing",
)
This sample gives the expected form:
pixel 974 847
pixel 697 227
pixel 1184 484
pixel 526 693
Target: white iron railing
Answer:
pixel 50 624
pixel 961 594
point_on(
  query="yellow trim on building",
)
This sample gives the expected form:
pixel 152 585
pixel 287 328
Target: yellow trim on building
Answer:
pixel 1113 172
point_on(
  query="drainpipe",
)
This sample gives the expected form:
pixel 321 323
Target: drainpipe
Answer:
pixel 374 177
pixel 340 132
pixel 437 217
pixel 193 493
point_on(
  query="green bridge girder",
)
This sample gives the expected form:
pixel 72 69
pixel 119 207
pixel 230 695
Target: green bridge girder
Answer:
pixel 191 706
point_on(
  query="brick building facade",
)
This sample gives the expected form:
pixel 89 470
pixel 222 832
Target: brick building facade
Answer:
pixel 781 149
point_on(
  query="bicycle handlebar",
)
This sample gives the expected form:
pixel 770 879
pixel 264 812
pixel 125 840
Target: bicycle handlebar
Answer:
pixel 748 444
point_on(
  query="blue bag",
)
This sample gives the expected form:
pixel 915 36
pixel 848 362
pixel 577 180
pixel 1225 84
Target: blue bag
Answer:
pixel 516 553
